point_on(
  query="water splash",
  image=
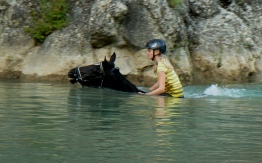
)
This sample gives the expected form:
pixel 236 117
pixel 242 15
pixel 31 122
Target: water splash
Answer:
pixel 215 90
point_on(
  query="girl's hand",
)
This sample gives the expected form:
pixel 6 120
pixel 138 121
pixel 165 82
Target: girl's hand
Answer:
pixel 142 93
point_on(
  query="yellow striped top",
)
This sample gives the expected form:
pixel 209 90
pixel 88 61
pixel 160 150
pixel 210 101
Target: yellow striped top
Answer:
pixel 173 85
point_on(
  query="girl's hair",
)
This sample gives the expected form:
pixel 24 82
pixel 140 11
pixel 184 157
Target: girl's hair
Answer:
pixel 165 61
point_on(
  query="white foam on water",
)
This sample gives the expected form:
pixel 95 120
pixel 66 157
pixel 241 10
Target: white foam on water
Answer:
pixel 215 90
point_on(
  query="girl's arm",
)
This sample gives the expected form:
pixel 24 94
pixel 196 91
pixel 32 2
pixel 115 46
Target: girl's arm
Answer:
pixel 155 86
pixel 161 84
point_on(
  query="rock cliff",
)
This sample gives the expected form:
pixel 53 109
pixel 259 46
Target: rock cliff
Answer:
pixel 208 40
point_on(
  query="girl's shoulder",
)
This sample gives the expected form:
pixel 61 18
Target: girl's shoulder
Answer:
pixel 161 67
pixel 161 64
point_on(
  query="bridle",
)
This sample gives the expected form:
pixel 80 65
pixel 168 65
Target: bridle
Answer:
pixel 80 80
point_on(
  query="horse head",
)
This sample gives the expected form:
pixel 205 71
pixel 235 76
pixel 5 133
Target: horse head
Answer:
pixel 103 74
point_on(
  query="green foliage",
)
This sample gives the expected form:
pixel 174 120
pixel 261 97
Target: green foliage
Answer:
pixel 50 16
pixel 181 78
pixel 248 46
pixel 9 58
pixel 174 3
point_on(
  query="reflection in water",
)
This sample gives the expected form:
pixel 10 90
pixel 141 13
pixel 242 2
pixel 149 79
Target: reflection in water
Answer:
pixel 165 123
pixel 61 123
pixel 168 101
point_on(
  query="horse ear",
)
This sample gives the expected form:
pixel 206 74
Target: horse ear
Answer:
pixel 105 59
pixel 113 58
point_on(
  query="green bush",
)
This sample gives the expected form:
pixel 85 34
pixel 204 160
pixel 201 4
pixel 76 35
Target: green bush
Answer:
pixel 50 15
pixel 174 3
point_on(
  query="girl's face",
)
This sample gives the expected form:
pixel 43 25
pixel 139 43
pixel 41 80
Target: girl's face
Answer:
pixel 150 53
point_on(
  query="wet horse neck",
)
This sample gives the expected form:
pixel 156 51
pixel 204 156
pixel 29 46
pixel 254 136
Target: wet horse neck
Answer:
pixel 119 82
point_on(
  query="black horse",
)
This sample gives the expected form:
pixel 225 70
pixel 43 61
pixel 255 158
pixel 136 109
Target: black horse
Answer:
pixel 102 75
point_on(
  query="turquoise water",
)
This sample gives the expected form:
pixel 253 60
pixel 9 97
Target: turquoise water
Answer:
pixel 48 122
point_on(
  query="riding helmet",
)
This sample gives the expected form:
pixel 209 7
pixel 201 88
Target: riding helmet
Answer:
pixel 156 44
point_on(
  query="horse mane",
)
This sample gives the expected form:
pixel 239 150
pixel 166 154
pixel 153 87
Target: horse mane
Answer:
pixel 123 83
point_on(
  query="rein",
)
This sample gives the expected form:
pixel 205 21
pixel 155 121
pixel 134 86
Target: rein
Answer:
pixel 79 79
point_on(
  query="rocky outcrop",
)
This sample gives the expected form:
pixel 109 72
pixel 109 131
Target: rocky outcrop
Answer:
pixel 224 44
pixel 208 40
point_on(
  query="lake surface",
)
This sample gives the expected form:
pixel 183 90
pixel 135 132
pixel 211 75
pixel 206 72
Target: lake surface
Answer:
pixel 48 122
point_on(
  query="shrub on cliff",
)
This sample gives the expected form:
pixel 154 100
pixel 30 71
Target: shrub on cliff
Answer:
pixel 174 3
pixel 50 15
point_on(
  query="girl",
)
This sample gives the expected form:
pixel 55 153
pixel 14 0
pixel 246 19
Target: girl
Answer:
pixel 168 82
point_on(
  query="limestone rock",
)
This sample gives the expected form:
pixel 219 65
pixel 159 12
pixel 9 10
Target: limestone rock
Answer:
pixel 223 48
pixel 203 8
pixel 208 40
pixel 106 16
